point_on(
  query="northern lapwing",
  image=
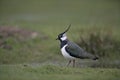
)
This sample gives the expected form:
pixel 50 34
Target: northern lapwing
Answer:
pixel 71 50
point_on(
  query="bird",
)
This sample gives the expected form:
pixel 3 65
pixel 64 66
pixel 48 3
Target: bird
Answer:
pixel 71 50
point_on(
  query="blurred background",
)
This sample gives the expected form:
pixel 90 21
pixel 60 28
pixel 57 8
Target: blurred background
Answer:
pixel 28 29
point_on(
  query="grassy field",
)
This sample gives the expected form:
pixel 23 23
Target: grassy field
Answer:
pixel 46 72
pixel 49 18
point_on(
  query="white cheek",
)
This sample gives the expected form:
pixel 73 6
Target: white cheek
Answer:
pixel 63 38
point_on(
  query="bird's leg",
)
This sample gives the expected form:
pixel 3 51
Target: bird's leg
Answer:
pixel 69 62
pixel 73 63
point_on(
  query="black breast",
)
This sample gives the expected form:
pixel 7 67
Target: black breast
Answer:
pixel 63 43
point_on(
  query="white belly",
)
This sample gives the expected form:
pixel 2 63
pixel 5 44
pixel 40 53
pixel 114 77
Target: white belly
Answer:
pixel 65 54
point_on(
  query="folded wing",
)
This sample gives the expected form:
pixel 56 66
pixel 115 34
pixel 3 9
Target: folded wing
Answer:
pixel 76 51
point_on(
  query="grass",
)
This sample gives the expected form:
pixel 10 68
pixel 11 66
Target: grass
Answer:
pixel 51 18
pixel 45 72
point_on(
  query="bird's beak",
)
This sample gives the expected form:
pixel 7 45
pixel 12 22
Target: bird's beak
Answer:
pixel 56 38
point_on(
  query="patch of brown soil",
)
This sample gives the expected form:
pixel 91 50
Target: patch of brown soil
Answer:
pixel 17 34
pixel 14 31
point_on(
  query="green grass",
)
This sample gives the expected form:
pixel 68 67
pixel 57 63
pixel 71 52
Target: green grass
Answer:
pixel 46 72
pixel 51 18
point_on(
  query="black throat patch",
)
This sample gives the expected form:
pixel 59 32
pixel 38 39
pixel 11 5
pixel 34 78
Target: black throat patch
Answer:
pixel 63 43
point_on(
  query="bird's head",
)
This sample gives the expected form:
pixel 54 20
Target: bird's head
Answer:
pixel 62 36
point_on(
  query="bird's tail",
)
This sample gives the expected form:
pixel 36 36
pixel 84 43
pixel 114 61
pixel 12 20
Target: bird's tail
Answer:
pixel 91 56
pixel 95 58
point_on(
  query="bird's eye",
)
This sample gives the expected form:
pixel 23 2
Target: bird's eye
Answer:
pixel 60 35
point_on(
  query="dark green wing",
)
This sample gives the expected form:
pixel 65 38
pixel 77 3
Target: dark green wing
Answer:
pixel 76 51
